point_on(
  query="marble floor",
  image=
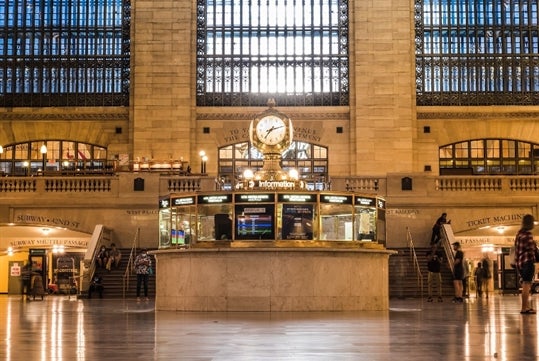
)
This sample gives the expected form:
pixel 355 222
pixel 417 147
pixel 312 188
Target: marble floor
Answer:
pixel 68 329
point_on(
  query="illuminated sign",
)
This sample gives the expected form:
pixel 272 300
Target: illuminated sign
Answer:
pixel 215 199
pixel 164 203
pixel 184 201
pixel 296 198
pixel 327 198
pixel 283 184
pixel 363 201
pixel 255 197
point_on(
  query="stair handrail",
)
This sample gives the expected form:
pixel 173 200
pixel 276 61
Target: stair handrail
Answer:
pixel 447 238
pixel 99 236
pixel 415 261
pixel 130 263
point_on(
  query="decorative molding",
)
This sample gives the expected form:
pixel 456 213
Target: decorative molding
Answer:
pixel 479 115
pixel 248 116
pixel 64 116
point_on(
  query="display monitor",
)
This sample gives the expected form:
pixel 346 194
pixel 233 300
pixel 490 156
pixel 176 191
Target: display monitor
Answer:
pixel 255 222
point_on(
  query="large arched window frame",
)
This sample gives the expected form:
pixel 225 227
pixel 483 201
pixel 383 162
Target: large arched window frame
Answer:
pixel 293 51
pixel 58 156
pixel 476 52
pixel 489 157
pixel 64 53
pixel 310 160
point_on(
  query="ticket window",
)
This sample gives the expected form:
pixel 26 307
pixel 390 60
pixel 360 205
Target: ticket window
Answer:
pixel 365 224
pixel 183 226
pixel 336 222
pixel 215 222
pixel 165 230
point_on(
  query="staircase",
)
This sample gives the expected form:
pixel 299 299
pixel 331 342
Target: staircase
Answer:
pixel 403 280
pixel 113 281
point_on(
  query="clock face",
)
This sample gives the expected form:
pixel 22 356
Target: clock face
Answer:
pixel 271 130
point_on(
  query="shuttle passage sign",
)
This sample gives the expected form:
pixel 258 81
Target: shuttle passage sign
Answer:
pixel 297 221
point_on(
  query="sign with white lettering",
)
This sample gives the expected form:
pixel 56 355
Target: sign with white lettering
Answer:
pixel 335 199
pixel 296 197
pixel 215 198
pixel 184 201
pixel 254 197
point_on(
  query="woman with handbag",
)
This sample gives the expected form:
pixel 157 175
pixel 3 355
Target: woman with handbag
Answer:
pixel 525 251
pixel 143 266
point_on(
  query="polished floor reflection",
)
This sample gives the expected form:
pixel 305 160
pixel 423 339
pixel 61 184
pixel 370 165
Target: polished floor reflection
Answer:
pixel 63 328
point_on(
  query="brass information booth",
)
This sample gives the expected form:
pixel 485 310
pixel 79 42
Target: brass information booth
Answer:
pixel 293 218
pixel 272 245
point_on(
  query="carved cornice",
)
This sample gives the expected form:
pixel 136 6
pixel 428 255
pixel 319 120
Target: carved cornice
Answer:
pixel 64 116
pixel 247 116
pixel 478 115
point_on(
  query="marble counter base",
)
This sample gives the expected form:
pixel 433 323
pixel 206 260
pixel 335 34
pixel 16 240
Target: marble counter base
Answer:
pixel 272 280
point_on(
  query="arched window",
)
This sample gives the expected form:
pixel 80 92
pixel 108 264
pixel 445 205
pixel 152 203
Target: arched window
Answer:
pixel 476 52
pixel 309 159
pixel 295 52
pixel 489 156
pixel 67 156
pixel 64 53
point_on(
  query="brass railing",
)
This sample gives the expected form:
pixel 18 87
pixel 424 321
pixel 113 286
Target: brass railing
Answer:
pixel 415 261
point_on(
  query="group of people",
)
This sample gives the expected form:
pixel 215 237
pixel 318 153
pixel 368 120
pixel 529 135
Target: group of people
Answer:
pixel 109 258
pixel 142 266
pixel 482 273
pixel 526 254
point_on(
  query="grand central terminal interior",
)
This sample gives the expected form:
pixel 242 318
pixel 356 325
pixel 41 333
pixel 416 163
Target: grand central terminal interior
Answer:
pixel 283 162
pixel 101 121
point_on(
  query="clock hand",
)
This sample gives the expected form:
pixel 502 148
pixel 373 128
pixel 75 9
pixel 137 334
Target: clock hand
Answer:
pixel 271 130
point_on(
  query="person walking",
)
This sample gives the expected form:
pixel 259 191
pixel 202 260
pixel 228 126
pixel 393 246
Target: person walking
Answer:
pixel 434 275
pixel 479 275
pixel 525 250
pixel 458 272
pixel 487 274
pixel 437 228
pixel 26 278
pixel 143 264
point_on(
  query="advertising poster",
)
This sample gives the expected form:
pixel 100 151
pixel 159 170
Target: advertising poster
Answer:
pixel 297 221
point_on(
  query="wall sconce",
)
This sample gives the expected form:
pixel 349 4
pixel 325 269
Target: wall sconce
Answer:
pixel 203 160
pixel 43 151
pixel 1 155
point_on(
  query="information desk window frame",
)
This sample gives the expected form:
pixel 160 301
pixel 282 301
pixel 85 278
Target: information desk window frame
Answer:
pixel 254 216
pixel 214 215
pixel 366 219
pixel 296 216
pixel 336 219
pixel 317 216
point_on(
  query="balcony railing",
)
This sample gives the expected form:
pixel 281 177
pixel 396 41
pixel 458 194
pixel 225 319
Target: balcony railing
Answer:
pixel 488 183
pixel 175 183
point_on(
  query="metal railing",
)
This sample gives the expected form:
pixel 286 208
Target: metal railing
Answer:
pixel 415 261
pixel 447 239
pixel 101 236
pixel 130 263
